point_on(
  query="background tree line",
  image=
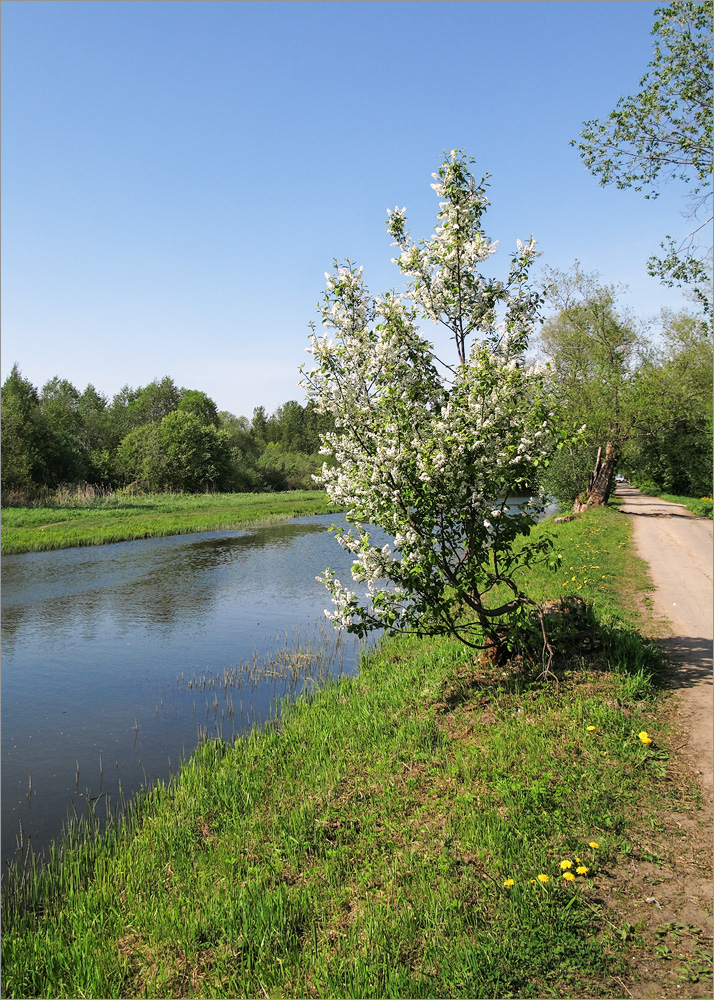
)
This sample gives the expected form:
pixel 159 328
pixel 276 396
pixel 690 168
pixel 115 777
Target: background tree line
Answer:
pixel 645 404
pixel 159 436
pixel 634 403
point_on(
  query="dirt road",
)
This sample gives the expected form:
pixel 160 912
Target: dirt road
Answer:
pixel 678 547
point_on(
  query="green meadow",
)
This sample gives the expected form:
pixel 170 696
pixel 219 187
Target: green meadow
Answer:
pixel 73 519
pixel 435 827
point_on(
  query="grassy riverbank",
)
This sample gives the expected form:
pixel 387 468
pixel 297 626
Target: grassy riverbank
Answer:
pixel 121 517
pixel 405 833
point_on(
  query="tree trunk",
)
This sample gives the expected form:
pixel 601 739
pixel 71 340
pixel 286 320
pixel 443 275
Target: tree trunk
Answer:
pixel 601 479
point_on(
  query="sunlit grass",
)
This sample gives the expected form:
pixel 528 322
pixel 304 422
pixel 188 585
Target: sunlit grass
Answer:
pixel 120 517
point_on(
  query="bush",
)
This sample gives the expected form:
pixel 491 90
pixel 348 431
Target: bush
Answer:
pixel 566 477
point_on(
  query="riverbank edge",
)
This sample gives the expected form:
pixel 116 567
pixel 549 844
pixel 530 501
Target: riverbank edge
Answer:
pixel 152 516
pixel 363 845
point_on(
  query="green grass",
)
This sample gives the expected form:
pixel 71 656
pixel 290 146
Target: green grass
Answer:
pixel 359 847
pixel 120 518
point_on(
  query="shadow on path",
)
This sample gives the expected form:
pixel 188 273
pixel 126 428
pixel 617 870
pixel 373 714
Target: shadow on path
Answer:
pixel 694 660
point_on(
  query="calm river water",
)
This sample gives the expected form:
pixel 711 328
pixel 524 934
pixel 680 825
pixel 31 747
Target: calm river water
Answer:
pixel 115 656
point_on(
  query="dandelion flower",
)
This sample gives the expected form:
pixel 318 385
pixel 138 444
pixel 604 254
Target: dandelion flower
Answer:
pixel 645 737
pixel 509 882
pixel 568 876
pixel 578 861
pixel 566 864
pixel 544 879
pixel 581 869
pixel 592 729
pixel 594 844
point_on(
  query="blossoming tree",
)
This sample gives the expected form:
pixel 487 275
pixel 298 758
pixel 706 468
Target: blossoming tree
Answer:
pixel 430 449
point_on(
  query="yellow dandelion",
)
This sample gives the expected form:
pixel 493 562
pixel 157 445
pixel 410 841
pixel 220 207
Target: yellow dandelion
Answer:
pixel 509 882
pixel 578 861
pixel 594 844
pixel 566 864
pixel 544 879
pixel 581 869
pixel 592 729
pixel 568 876
pixel 645 737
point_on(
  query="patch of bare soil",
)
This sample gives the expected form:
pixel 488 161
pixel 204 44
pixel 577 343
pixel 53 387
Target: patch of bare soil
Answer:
pixel 677 546
pixel 659 899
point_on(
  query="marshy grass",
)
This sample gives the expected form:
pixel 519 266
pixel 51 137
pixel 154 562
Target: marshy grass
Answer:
pixel 88 516
pixel 304 661
pixel 402 833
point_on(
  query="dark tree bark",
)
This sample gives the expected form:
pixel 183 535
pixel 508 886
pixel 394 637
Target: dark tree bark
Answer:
pixel 601 479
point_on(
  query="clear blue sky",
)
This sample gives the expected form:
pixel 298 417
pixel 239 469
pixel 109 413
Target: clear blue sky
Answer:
pixel 178 176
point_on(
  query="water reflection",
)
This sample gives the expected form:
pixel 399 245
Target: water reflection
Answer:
pixel 162 581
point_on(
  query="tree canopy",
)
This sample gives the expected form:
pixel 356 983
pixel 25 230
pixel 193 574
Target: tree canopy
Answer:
pixel 158 437
pixel 640 405
pixel 664 133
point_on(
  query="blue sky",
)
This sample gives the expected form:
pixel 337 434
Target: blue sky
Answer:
pixel 178 176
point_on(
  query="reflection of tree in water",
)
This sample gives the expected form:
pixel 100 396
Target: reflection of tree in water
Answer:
pixel 221 550
pixel 54 615
pixel 193 578
pixel 159 581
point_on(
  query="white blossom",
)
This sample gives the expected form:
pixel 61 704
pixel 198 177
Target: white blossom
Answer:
pixel 430 458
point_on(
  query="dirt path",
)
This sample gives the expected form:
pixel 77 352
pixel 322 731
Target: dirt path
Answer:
pixel 678 547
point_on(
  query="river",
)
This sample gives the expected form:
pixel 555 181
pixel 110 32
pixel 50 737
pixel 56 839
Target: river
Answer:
pixel 116 658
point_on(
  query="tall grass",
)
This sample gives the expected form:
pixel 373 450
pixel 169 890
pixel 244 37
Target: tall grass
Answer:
pixel 399 834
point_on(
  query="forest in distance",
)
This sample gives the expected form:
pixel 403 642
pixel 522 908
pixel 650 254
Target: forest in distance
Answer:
pixel 644 400
pixel 159 437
